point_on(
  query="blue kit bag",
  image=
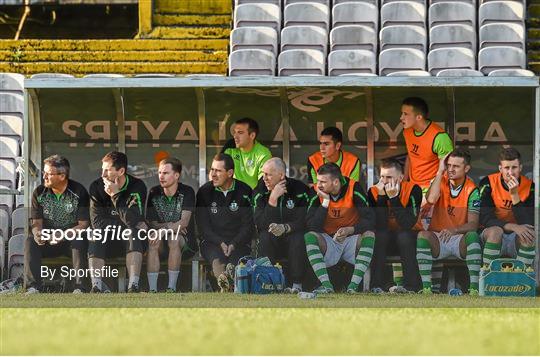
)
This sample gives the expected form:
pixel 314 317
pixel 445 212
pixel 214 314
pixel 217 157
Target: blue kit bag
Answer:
pixel 258 276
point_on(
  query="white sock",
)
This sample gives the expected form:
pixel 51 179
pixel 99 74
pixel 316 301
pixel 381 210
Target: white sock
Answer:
pixel 173 278
pixel 297 286
pixel 152 281
pixel 133 280
pixel 96 282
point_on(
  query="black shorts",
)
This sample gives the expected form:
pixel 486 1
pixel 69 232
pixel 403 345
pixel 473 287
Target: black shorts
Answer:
pixel 115 248
pixel 210 252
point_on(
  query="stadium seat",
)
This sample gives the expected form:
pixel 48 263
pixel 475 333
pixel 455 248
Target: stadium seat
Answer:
pixel 374 2
pixel 301 62
pixel 9 147
pixel 19 199
pixel 324 2
pixel 351 61
pixel 273 2
pixel 12 82
pixel 448 35
pixel 6 201
pixel 459 73
pixel 304 37
pixel 452 12
pixel 502 34
pixel 353 37
pixel 387 1
pixel 411 73
pixel 403 36
pixel 501 11
pixel 261 38
pixel 11 103
pixel 252 63
pixel 51 75
pixel 511 73
pixel 500 57
pixel 403 13
pixel 355 13
pixel 250 15
pixel 450 58
pixel 104 75
pixel 2 255
pixel 4 224
pixel 401 59
pixel 305 13
pixel 11 125
pixel 15 256
pixel 358 75
pixel 19 221
pixel 8 174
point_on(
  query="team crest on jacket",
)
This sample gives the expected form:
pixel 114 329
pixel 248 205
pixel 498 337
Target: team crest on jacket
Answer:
pixel 213 207
pixel 290 204
pixel 249 163
pixel 69 207
pixel 233 206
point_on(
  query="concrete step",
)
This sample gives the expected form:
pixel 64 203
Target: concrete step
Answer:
pixel 159 19
pixel 114 45
pixel 192 6
pixel 190 32
pixel 81 68
pixel 114 56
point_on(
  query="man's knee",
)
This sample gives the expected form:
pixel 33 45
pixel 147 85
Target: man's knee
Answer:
pixel 313 238
pixel 493 235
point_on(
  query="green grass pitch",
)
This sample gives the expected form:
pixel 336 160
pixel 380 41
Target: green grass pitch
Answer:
pixel 217 324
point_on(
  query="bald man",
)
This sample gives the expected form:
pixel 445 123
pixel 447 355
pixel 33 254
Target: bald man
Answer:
pixel 280 205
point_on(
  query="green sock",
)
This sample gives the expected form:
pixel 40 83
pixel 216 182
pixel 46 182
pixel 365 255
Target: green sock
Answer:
pixel 473 258
pixel 436 276
pixel 491 251
pixel 425 260
pixel 398 273
pixel 362 261
pixel 316 259
pixel 526 255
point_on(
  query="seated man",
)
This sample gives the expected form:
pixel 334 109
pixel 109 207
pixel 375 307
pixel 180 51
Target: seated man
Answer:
pixel 452 231
pixel 340 226
pixel 117 205
pixel 397 205
pixel 280 211
pixel 169 209
pixel 330 144
pixel 225 219
pixel 507 211
pixel 60 203
pixel 248 154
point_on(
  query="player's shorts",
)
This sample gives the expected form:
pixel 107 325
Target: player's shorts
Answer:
pixel 340 251
pixel 508 248
pixel 115 248
pixel 449 248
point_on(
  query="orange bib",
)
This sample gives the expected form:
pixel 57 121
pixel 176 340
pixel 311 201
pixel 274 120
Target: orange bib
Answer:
pixel 503 200
pixel 348 162
pixel 423 162
pixel 448 211
pixel 341 213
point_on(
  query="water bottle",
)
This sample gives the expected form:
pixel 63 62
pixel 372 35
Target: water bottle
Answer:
pixel 241 277
pixel 306 295
pixel 455 292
